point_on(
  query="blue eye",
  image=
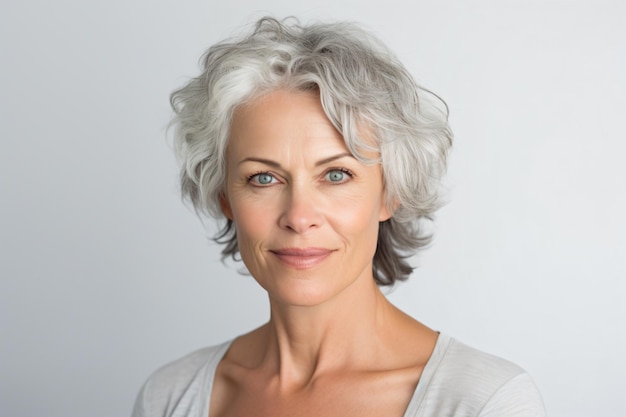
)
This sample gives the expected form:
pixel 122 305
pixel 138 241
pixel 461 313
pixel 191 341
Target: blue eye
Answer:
pixel 336 175
pixel 263 178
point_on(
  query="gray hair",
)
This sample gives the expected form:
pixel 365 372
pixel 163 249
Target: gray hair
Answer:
pixel 366 94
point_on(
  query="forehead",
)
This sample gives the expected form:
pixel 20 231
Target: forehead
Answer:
pixel 296 118
pixel 283 117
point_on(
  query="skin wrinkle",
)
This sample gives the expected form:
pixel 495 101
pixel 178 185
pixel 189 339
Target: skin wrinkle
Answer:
pixel 331 330
pixel 326 158
pixel 361 85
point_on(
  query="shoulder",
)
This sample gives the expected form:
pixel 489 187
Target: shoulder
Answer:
pixel 466 381
pixel 177 385
pixel 472 366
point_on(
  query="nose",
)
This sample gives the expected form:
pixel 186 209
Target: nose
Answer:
pixel 300 212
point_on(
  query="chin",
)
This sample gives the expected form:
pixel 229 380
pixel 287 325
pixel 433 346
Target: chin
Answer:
pixel 303 292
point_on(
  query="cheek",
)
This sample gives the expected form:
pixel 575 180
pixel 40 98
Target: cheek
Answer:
pixel 252 223
pixel 360 224
pixel 246 222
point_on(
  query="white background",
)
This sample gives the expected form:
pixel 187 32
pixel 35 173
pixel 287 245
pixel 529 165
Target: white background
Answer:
pixel 105 275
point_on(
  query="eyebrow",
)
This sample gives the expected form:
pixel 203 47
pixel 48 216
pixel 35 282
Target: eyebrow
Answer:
pixel 277 165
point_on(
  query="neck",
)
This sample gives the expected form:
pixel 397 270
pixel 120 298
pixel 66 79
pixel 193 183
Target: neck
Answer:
pixel 345 332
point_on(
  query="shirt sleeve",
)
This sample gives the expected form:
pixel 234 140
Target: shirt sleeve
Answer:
pixel 141 409
pixel 518 397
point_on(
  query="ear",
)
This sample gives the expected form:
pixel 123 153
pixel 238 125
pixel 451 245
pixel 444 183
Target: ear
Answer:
pixel 387 210
pixel 225 206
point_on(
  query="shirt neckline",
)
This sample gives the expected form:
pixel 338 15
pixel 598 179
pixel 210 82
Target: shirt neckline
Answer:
pixel 441 346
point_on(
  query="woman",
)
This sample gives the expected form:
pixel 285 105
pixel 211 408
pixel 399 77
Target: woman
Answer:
pixel 324 157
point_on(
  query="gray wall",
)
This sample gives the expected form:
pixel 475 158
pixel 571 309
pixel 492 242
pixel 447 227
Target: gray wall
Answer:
pixel 105 275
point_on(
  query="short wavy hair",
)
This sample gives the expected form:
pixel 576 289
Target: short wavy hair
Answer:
pixel 365 92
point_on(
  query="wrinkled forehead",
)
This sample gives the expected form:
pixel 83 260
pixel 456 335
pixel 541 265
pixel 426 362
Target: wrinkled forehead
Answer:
pixel 282 123
pixel 283 111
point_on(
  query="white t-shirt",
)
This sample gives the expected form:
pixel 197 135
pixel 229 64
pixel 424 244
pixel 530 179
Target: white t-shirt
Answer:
pixel 457 381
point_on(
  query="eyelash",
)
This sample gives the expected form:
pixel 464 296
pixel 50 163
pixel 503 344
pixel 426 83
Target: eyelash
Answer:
pixel 249 178
pixel 344 170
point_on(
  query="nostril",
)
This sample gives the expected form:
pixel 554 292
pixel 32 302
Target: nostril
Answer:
pixel 300 215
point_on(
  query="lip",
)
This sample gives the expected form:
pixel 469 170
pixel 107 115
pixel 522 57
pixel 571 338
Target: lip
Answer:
pixel 302 258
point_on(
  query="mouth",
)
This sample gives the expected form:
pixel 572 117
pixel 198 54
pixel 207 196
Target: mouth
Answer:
pixel 302 258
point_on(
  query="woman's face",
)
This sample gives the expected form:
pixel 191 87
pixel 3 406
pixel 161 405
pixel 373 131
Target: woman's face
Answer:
pixel 305 210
